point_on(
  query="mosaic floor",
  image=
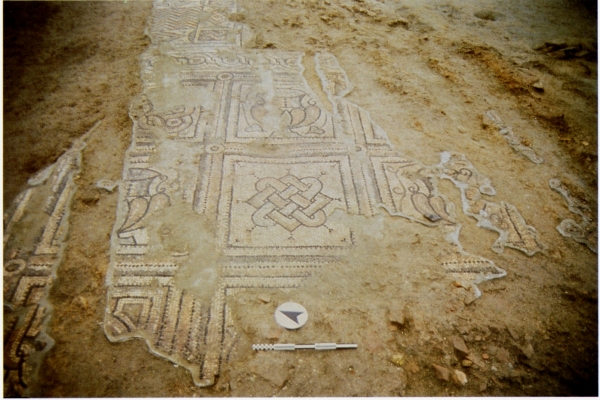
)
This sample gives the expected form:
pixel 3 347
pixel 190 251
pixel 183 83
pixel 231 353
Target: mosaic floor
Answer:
pixel 239 176
pixel 236 139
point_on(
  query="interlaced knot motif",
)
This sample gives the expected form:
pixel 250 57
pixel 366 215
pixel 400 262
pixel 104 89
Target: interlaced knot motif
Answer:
pixel 289 202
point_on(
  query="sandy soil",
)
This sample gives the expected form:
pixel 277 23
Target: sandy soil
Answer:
pixel 427 72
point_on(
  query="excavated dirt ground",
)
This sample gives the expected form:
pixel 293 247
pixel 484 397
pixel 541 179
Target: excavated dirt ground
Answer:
pixel 427 72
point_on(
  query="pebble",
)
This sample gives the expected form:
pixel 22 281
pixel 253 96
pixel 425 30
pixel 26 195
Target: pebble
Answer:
pixel 397 316
pixel 397 359
pixel 513 333
pixel 107 185
pixel 467 363
pixel 441 373
pixel 470 299
pixel 459 378
pixel 485 356
pixel 459 346
pixel 476 360
pixel 264 297
pixel 538 86
pixel 527 350
pixel 503 355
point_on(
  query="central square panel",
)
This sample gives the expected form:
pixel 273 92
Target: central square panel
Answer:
pixel 284 206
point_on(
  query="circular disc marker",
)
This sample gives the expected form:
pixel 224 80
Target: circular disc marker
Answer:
pixel 291 315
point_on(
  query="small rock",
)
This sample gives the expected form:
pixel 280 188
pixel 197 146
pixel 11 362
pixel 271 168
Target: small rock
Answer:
pixel 513 333
pixel 264 297
pixel 459 378
pixel 397 316
pixel 412 367
pixel 397 359
pixel 107 185
pixel 482 387
pixel 485 356
pixel 470 299
pixel 441 373
pixel 460 347
pixel 527 350
pixel 503 356
pixel 538 86
pixel 477 361
pixel 466 363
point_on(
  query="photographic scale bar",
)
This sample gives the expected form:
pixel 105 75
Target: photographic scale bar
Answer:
pixel 316 346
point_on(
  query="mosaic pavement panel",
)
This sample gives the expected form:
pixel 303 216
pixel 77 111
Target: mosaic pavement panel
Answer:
pixel 586 231
pixel 503 218
pixel 35 227
pixel 233 177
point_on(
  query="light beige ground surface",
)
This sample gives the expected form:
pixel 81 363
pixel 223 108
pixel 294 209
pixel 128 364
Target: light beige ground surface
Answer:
pixel 427 73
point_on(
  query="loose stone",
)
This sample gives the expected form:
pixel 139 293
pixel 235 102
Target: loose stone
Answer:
pixel 265 298
pixel 441 373
pixel 397 316
pixel 460 347
pixel 397 359
pixel 527 350
pixel 467 363
pixel 459 378
pixel 107 185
